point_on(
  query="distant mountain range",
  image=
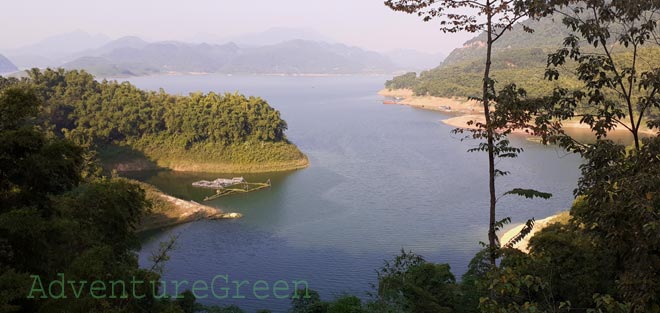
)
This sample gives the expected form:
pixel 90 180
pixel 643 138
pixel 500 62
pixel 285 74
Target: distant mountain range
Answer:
pixel 6 66
pixel 290 57
pixel 275 51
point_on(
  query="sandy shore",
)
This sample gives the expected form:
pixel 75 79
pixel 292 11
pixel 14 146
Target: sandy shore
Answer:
pixel 561 217
pixel 462 120
pixel 469 110
pixel 449 105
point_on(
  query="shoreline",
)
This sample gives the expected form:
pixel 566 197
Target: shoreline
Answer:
pixel 169 211
pixel 469 110
pixel 128 159
pixel 539 225
pixel 454 105
pixel 139 165
pixel 461 122
pixel 200 167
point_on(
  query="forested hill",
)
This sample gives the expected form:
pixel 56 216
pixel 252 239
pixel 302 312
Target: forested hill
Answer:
pixel 199 132
pixel 518 57
pixel 549 33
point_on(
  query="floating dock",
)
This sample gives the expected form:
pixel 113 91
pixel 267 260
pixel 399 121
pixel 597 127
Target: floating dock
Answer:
pixel 230 186
pixel 219 183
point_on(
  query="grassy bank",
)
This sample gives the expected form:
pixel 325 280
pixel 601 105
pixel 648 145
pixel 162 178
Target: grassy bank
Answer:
pixel 248 157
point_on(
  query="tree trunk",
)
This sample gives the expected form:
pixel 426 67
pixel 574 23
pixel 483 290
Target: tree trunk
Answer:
pixel 492 239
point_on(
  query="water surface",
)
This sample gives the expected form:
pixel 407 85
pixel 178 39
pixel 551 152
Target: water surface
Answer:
pixel 382 178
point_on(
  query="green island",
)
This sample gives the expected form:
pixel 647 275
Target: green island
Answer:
pixel 135 129
pixel 128 129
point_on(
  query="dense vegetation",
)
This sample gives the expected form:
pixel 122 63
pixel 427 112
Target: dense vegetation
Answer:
pixel 57 215
pixel 519 58
pixel 221 131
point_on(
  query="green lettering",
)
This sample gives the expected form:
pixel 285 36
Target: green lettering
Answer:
pixel 238 288
pixel 113 283
pixel 37 279
pixel 77 293
pixel 61 295
pixel 93 288
pixel 255 288
pixel 296 288
pixel 204 288
pixel 225 289
pixel 276 288
pixel 154 290
pixel 133 283
pixel 176 288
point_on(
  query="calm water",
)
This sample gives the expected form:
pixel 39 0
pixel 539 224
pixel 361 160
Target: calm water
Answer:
pixel 382 178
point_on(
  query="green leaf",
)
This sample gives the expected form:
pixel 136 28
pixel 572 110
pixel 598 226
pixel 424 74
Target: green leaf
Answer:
pixel 529 193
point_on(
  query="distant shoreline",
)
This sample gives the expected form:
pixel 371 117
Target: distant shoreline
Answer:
pixel 453 105
pixel 466 110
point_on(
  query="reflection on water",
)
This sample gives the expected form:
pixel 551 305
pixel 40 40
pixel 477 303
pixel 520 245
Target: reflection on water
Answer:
pixel 382 178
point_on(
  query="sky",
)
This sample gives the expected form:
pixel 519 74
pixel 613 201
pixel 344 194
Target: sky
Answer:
pixel 364 23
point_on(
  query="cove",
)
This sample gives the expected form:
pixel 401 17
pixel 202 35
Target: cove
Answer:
pixel 381 178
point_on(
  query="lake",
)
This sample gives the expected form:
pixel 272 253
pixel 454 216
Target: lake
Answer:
pixel 382 178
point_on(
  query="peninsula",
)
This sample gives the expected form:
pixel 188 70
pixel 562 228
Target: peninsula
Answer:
pixel 134 129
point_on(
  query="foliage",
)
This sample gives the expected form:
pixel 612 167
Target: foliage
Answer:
pixel 311 303
pixel 54 219
pixel 410 284
pixel 619 85
pixel 405 81
pixel 622 207
pixel 231 128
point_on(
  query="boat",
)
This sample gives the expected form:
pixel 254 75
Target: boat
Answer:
pixel 390 102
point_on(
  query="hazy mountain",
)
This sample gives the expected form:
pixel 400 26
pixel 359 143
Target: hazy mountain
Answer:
pixel 413 60
pixel 123 42
pixel 135 57
pixel 518 57
pixel 548 34
pixel 166 56
pixel 277 35
pixel 309 57
pixel 6 66
pixel 61 45
pixel 25 61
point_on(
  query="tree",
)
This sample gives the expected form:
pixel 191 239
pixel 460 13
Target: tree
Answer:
pixel 55 219
pixel 495 18
pixel 308 301
pixel 622 207
pixel 410 284
pixel 621 80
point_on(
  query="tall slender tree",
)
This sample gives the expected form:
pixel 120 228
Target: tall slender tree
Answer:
pixel 495 18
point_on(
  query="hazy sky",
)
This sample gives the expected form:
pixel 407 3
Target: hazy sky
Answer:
pixel 364 23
